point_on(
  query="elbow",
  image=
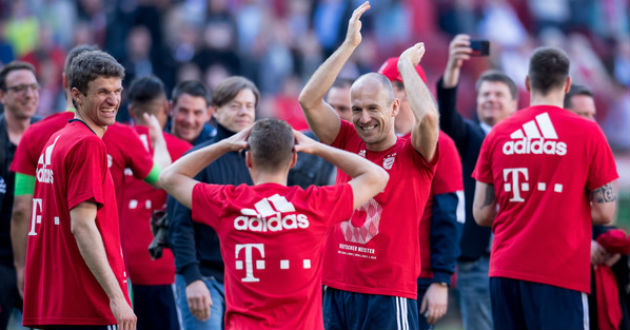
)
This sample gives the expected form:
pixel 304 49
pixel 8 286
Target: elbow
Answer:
pixel 431 120
pixel 482 218
pixel 21 209
pixel 306 101
pixel 603 216
pixel 381 179
pixel 165 179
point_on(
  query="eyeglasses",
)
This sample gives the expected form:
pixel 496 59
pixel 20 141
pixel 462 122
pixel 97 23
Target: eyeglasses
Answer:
pixel 23 88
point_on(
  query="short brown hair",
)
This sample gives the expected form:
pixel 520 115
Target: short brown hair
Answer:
pixel 91 65
pixel 271 143
pixel 74 52
pixel 13 66
pixel 227 90
pixel 497 76
pixel 548 69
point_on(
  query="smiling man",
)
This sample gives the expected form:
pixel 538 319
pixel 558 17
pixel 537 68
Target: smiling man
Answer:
pixel 73 254
pixel 190 111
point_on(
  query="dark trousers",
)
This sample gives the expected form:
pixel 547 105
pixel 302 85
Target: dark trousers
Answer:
pixel 9 295
pixel 155 307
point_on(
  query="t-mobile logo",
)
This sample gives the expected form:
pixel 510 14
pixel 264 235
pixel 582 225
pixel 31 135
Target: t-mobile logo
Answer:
pixel 517 184
pixel 249 261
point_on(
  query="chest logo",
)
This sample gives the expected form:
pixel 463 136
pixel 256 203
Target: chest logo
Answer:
pixel 388 161
pixel 535 137
pixel 273 214
pixel 364 224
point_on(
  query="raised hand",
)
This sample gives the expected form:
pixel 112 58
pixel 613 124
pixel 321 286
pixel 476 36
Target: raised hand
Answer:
pixel 459 51
pixel 353 36
pixel 238 141
pixel 303 143
pixel 413 54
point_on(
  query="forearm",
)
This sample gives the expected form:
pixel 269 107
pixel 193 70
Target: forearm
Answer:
pixel 451 75
pixel 191 164
pixel 161 157
pixel 92 251
pixel 444 235
pixel 19 228
pixel 320 82
pixel 484 204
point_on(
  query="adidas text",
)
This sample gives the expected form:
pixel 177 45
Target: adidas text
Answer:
pixel 535 146
pixel 273 224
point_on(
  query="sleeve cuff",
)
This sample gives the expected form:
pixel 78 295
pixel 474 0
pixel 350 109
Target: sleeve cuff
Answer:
pixel 191 273
pixel 441 277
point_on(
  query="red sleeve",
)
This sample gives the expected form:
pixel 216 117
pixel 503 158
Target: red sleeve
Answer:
pixel 25 158
pixel 448 174
pixel 136 155
pixel 86 171
pixel 208 201
pixel 602 169
pixel 333 203
pixel 420 162
pixel 483 168
pixel 346 133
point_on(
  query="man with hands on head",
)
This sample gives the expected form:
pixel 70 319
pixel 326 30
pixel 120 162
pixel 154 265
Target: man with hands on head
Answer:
pixel 281 228
pixel 366 271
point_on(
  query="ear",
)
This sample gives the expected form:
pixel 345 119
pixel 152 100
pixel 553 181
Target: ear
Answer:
pixel 248 160
pixel 395 107
pixel 527 86
pixel 76 96
pixel 210 111
pixel 169 108
pixel 567 85
pixel 131 113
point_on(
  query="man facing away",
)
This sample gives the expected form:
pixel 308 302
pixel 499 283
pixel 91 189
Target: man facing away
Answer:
pixel 496 100
pixel 373 259
pixel 74 272
pixel 271 235
pixel 550 175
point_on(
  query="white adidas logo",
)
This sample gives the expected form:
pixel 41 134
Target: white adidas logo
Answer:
pixel 43 173
pixel 534 139
pixel 267 216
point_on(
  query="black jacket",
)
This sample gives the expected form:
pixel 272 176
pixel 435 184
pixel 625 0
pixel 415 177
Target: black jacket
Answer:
pixel 468 136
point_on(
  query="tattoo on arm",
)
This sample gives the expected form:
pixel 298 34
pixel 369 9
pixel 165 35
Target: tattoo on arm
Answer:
pixel 490 197
pixel 604 194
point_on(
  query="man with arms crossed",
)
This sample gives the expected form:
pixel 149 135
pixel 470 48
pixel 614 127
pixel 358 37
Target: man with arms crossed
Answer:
pixel 74 271
pixel 282 228
pixel 373 259
pixel 550 174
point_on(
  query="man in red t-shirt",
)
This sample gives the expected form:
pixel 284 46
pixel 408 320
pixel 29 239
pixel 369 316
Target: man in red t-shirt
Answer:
pixel 373 258
pixel 152 280
pixel 74 272
pixel 124 150
pixel 550 175
pixel 272 236
pixel 440 227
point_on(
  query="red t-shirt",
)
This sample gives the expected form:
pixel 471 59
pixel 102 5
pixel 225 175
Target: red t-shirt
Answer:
pixel 126 150
pixel 543 161
pixel 272 240
pixel 377 250
pixel 140 199
pixel 34 139
pixel 59 287
pixel 448 179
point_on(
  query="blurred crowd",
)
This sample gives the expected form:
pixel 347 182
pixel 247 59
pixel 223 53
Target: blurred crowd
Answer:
pixel 278 44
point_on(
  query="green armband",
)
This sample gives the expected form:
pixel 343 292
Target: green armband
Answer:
pixel 24 184
pixel 154 175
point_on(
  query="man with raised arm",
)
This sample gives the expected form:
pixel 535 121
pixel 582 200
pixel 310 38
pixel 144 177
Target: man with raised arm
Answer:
pixel 75 275
pixel 534 176
pixel 271 235
pixel 373 258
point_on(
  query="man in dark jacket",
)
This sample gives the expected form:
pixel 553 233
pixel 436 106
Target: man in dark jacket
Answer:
pixel 496 100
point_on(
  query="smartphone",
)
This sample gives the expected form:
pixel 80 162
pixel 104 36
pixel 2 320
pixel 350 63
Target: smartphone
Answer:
pixel 480 47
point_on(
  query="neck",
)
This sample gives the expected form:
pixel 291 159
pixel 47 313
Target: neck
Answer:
pixel 100 131
pixel 260 177
pixel 16 127
pixel 554 98
pixel 382 145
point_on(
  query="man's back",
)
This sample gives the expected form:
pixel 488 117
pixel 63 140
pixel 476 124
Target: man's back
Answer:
pixel 543 161
pixel 272 238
